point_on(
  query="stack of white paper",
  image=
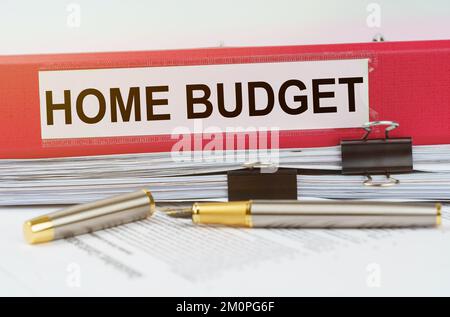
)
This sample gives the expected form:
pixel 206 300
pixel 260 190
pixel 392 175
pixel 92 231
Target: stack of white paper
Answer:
pixel 195 177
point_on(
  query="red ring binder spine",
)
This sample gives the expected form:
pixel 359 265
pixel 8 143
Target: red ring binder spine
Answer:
pixel 408 83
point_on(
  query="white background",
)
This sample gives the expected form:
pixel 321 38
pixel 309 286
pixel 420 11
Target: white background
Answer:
pixel 112 25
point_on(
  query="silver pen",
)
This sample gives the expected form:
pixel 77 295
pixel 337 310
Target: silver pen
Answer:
pixel 314 214
pixel 90 217
pixel 139 205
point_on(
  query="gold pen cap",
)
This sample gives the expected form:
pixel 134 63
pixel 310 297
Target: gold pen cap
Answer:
pixel 90 217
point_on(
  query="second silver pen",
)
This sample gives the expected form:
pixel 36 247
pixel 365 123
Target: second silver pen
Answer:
pixel 317 214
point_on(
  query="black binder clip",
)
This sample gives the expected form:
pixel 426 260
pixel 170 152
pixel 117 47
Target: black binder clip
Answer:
pixel 377 156
pixel 252 183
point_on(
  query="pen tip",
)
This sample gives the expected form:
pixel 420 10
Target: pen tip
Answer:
pixel 179 213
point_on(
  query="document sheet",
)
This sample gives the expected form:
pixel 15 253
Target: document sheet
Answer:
pixel 186 176
pixel 167 256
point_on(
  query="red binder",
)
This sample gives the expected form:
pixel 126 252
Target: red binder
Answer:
pixel 409 83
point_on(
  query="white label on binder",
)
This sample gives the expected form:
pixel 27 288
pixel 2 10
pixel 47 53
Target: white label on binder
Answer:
pixel 156 100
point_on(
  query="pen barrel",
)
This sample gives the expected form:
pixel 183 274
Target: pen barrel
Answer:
pixel 344 214
pixel 90 217
pixel 317 214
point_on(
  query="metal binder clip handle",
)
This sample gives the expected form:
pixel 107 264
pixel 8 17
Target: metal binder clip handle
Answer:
pixel 380 156
pixel 368 127
pixel 252 165
pixel 391 182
